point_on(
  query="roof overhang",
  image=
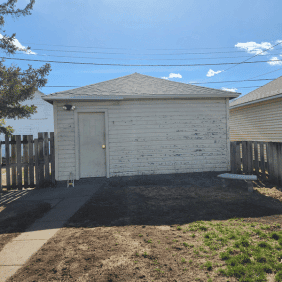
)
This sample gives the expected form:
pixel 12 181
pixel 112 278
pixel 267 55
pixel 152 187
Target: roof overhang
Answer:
pixel 256 101
pixel 134 97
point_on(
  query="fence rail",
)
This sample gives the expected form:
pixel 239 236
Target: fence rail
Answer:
pixel 256 157
pixel 36 158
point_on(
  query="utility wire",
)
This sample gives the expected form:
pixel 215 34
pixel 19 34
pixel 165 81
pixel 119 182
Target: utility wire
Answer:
pixel 195 82
pixel 124 65
pixel 68 51
pixel 89 47
pixel 253 56
pixel 144 59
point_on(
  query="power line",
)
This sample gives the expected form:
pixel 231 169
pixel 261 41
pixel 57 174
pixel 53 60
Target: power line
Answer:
pixel 254 56
pixel 143 59
pixel 195 82
pixel 124 65
pixel 89 47
pixel 236 81
pixel 68 51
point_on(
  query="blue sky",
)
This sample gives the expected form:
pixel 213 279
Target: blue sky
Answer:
pixel 151 32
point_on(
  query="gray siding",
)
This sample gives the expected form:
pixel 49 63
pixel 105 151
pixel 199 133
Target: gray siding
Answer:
pixel 152 136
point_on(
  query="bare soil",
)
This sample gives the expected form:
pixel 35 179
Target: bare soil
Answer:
pixel 128 230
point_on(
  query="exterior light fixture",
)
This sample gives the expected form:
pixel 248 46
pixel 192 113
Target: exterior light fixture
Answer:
pixel 68 107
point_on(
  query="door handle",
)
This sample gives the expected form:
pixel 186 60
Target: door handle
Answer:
pixel 103 146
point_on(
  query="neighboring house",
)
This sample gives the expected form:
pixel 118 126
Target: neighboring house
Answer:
pixel 138 124
pixel 257 116
pixel 42 121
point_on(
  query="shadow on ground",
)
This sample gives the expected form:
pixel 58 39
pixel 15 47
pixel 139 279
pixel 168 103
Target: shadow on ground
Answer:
pixel 171 199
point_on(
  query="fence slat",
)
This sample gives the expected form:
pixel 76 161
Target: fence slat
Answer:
pixel 275 163
pixel 13 160
pixel 250 157
pixel 270 161
pixel 46 156
pixel 262 161
pixel 25 160
pixel 256 163
pixel 244 156
pixel 238 157
pixel 7 153
pixel 36 163
pixel 233 157
pixel 0 167
pixel 280 163
pixel 19 163
pixel 52 153
pixel 40 158
pixel 31 161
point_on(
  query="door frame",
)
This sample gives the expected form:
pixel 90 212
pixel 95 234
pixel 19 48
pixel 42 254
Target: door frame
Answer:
pixel 77 166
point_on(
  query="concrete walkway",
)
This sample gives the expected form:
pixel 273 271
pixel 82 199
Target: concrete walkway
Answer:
pixel 64 202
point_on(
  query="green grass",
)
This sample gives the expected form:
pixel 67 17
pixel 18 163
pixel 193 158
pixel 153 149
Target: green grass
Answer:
pixel 254 259
pixel 248 254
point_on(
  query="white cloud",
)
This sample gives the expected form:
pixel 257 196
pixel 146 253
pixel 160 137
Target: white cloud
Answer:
pixel 212 73
pixel 19 45
pixel 272 61
pixel 229 89
pixel 254 48
pixel 173 75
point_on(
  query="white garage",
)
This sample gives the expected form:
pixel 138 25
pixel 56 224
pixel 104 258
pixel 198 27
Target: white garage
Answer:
pixel 140 125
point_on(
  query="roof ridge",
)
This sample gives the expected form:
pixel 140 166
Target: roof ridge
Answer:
pixel 186 83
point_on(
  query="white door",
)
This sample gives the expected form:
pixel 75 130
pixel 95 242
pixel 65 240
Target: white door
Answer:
pixel 91 138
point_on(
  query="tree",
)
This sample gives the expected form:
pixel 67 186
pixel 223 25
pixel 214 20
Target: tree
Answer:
pixel 17 85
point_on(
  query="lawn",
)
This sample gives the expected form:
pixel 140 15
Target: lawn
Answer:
pixel 181 230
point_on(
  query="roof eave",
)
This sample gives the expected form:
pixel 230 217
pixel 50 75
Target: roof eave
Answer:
pixel 130 97
pixel 256 101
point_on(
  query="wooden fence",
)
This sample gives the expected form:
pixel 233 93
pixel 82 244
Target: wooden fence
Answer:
pixel 35 161
pixel 263 159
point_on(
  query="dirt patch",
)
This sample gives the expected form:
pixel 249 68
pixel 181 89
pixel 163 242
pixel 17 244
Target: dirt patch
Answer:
pixel 137 229
pixel 16 217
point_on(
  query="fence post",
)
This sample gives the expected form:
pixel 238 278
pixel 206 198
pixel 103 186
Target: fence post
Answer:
pixel 270 161
pixel 249 157
pixel 275 163
pixel 36 163
pixel 0 166
pixel 233 156
pixel 13 161
pixel 40 158
pixel 256 158
pixel 262 160
pixel 31 161
pixel 280 163
pixel 25 160
pixel 7 152
pixel 46 156
pixel 244 156
pixel 238 157
pixel 19 162
pixel 52 152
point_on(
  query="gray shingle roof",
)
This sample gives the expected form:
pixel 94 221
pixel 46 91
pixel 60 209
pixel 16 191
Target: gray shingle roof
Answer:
pixel 270 89
pixel 139 85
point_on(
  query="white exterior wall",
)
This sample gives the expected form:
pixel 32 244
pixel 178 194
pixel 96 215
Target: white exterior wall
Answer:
pixel 151 136
pixel 42 121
